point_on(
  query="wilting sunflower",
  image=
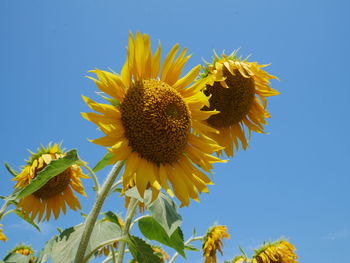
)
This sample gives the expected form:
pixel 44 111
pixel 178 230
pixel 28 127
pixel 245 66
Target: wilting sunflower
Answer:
pixel 56 193
pixel 238 89
pixel 280 251
pixel 2 235
pixel 154 122
pixel 212 242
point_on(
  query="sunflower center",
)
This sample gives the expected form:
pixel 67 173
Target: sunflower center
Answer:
pixel 156 121
pixel 54 186
pixel 233 102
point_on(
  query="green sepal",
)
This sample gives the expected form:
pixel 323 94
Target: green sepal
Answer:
pixel 191 248
pixel 103 162
pixel 26 218
pixel 12 171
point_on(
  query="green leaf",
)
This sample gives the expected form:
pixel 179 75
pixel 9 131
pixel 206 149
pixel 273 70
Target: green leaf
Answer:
pixel 142 251
pixel 17 258
pixel 112 217
pixel 132 192
pixel 45 253
pixel 27 219
pixel 63 247
pixel 103 162
pixel 191 248
pixel 55 167
pixel 164 211
pixel 152 230
pixel 10 170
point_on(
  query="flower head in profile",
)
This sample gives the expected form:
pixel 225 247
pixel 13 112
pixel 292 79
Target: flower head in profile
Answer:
pixel 238 90
pixel 57 193
pixel 25 251
pixel 2 235
pixel 213 242
pixel 154 122
pixel 280 251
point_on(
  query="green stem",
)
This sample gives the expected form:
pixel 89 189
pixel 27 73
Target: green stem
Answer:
pixel 92 217
pixel 106 243
pixel 126 230
pixel 172 260
pixel 3 209
pixel 114 259
pixel 138 219
pixel 94 177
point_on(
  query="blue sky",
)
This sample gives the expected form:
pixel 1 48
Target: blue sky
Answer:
pixel 292 182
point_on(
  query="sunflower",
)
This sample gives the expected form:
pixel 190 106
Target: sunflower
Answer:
pixel 25 251
pixel 212 242
pixel 56 193
pixel 238 89
pixel 2 235
pixel 154 122
pixel 280 251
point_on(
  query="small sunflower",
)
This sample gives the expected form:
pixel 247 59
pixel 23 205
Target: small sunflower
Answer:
pixel 280 251
pixel 238 90
pixel 212 242
pixel 56 193
pixel 240 259
pixel 154 122
pixel 2 235
pixel 25 251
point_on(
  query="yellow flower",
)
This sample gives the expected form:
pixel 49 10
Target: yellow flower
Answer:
pixel 2 235
pixel 280 251
pixel 24 250
pixel 163 256
pixel 154 122
pixel 240 259
pixel 213 242
pixel 56 193
pixel 238 89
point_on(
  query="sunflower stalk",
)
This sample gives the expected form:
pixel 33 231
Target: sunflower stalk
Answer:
pixel 94 177
pixel 126 230
pixel 95 211
pixel 191 239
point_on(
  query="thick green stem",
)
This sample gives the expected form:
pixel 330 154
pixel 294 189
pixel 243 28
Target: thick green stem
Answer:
pixel 129 216
pixel 93 215
pixel 172 260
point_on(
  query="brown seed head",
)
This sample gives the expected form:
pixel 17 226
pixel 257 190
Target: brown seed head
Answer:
pixel 233 102
pixel 156 121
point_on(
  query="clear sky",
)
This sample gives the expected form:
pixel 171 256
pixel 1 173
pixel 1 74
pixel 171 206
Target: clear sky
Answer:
pixel 292 182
